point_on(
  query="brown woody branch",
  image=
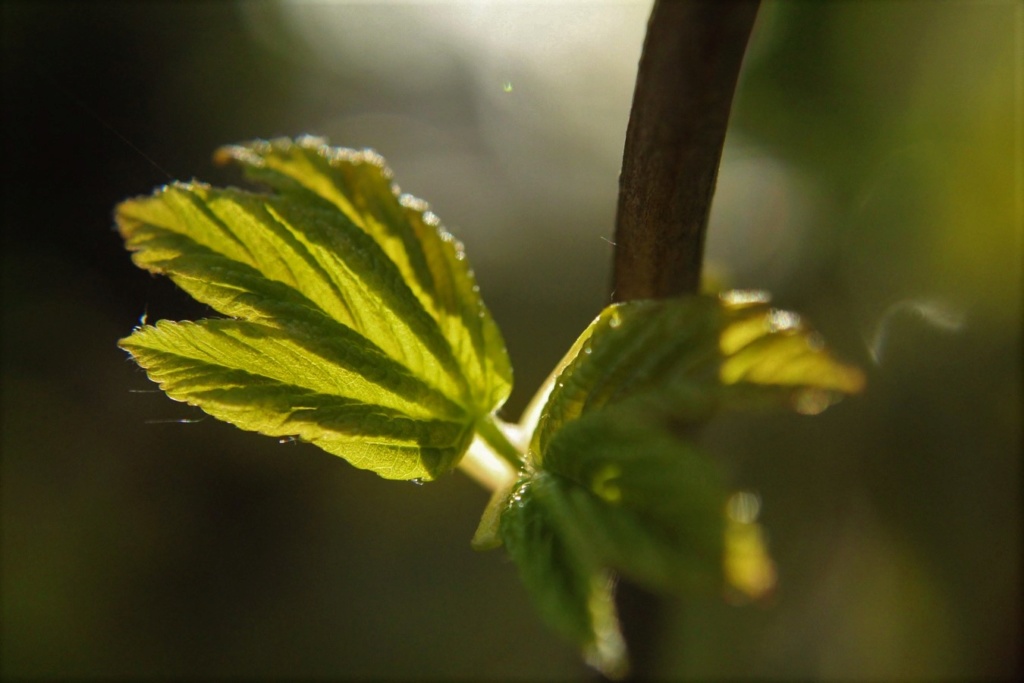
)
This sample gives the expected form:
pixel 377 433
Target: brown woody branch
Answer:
pixel 684 89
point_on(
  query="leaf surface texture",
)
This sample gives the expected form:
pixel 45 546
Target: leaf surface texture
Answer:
pixel 356 323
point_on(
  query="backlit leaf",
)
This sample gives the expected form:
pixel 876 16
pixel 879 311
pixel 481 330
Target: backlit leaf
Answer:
pixel 432 263
pixel 697 354
pixel 383 355
pixel 618 484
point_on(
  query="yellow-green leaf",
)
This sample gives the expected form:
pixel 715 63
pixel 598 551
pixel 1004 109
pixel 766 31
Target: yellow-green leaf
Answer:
pixel 391 360
pixel 696 354
pixel 617 484
pixel 433 263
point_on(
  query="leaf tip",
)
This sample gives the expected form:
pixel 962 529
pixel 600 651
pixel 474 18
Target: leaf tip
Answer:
pixel 228 154
pixel 607 650
pixel 750 573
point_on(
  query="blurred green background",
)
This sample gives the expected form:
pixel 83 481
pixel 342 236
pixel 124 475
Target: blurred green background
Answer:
pixel 872 180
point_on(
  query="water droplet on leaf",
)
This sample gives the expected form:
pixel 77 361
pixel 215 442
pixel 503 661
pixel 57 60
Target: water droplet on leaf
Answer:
pixel 782 321
pixel 744 297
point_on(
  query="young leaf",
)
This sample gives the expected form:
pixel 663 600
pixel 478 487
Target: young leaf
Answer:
pixel 570 589
pixel 432 263
pixel 385 356
pixel 697 354
pixel 649 505
pixel 616 483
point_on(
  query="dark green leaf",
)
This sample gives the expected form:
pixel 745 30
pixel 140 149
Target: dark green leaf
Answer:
pixel 650 506
pixel 570 589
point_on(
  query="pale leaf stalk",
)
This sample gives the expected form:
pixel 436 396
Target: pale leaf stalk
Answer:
pixel 495 433
pixel 492 461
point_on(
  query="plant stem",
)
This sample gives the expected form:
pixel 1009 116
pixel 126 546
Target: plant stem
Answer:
pixel 684 90
pixel 491 431
pixel 485 467
pixel 492 460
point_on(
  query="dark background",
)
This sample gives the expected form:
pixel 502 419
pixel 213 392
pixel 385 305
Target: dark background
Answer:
pixel 872 180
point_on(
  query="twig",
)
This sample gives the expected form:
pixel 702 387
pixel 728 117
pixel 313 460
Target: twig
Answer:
pixel 684 89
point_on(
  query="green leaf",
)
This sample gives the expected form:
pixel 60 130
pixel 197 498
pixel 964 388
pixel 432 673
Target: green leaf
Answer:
pixel 386 357
pixel 265 380
pixel 619 492
pixel 617 484
pixel 574 595
pixel 649 505
pixel 432 263
pixel 695 354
